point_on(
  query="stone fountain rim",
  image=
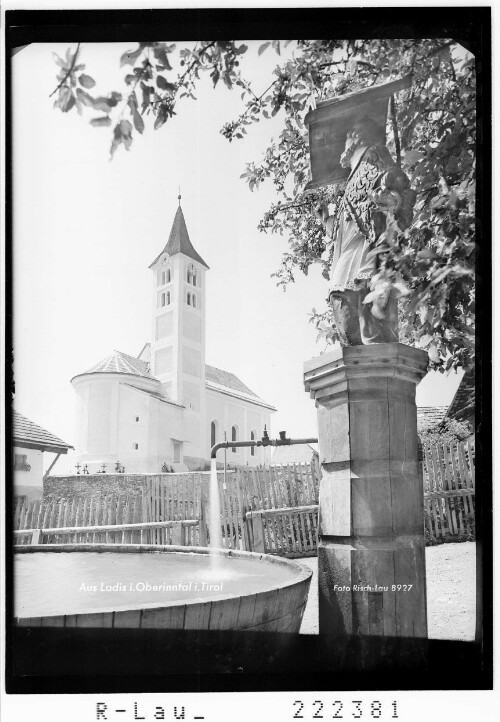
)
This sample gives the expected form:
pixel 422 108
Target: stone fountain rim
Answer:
pixel 303 574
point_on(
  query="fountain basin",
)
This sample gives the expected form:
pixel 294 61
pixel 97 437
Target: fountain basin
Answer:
pixel 152 586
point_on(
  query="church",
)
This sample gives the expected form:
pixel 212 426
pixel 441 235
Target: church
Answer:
pixel 165 408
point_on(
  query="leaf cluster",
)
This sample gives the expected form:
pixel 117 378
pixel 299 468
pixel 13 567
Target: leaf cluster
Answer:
pixel 433 259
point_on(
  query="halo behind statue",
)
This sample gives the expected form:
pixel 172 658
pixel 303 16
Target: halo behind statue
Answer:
pixel 330 122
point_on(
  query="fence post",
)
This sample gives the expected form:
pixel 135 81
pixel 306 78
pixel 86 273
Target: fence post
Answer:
pixel 247 535
pixel 177 533
pixel 203 523
pixel 35 537
pixel 257 525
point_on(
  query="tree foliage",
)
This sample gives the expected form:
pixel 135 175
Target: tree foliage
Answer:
pixel 432 261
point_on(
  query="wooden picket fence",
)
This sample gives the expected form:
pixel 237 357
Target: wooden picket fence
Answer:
pixel 289 532
pixel 449 489
pixel 179 496
pixel 111 519
pixel 152 517
pixel 272 509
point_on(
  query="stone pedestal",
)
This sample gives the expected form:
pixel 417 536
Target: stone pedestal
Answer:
pixel 371 555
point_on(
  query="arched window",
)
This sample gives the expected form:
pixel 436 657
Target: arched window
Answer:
pixel 189 275
pixel 189 299
pixel 168 298
pixel 194 278
pixel 234 436
pixel 252 438
pixel 213 433
pixel 162 299
pixel 169 275
pixel 163 278
pixel 194 301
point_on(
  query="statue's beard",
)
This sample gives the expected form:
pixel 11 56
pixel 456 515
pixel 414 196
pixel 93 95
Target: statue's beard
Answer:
pixel 351 147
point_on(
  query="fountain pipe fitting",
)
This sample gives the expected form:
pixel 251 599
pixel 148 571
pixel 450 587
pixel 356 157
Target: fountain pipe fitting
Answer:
pixel 265 441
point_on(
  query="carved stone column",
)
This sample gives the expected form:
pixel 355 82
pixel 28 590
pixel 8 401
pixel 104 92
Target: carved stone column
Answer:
pixel 371 556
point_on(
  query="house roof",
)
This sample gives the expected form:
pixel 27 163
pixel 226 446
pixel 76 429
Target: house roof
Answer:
pixel 179 241
pixel 462 407
pixel 29 435
pixel 430 416
pixel 120 363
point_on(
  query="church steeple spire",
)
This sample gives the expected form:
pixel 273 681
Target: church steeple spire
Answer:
pixel 179 241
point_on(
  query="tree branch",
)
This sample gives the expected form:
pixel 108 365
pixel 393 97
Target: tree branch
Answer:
pixel 68 73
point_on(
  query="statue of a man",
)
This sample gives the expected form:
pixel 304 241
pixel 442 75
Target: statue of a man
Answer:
pixel 376 186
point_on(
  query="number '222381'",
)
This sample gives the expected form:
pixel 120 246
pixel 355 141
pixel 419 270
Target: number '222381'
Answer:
pixel 354 709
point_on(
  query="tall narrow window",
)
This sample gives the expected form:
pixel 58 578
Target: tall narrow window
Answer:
pixel 168 298
pixel 163 278
pixel 252 438
pixel 234 436
pixel 213 433
pixel 169 275
pixel 189 299
pixel 191 274
pixel 162 299
pixel 177 452
pixel 194 300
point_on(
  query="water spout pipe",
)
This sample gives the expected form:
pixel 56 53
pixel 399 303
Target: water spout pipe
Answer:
pixel 265 441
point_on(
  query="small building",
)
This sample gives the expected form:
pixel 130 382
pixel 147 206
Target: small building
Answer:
pixel 30 441
pixel 463 405
pixel 165 407
pixel 430 417
pixel 294 454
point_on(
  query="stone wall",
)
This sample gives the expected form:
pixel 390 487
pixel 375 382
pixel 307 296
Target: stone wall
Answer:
pixel 87 485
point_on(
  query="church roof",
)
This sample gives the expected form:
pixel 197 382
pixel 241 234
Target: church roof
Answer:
pixel 179 241
pixel 216 379
pixel 121 363
pixel 226 382
pixel 155 395
pixel 27 434
pixel 225 378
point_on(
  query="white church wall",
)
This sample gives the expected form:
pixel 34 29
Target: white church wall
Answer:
pixel 159 424
pixel 164 325
pixel 81 417
pixel 168 426
pixel 106 429
pixel 228 411
pixel 99 419
pixel 133 449
pixel 194 448
pixel 192 326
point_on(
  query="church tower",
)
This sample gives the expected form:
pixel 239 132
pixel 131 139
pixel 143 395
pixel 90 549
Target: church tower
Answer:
pixel 178 338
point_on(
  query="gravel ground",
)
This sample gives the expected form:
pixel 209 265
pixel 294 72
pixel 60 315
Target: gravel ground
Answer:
pixel 451 592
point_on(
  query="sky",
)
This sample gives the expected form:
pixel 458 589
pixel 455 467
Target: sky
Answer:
pixel 87 228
